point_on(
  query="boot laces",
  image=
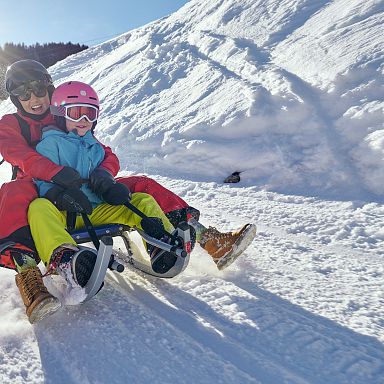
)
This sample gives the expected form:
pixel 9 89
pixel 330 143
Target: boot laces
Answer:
pixel 213 233
pixel 32 282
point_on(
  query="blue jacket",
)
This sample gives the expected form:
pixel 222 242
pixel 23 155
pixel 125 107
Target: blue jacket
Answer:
pixel 83 153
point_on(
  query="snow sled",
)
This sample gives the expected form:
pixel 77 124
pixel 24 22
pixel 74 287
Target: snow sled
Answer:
pixel 102 238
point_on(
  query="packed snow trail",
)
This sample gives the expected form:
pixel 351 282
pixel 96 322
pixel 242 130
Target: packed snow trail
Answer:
pixel 294 309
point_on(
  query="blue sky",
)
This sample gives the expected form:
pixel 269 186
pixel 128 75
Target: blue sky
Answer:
pixel 89 22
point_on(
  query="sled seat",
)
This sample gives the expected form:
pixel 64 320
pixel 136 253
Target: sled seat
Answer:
pixel 107 230
pixel 82 235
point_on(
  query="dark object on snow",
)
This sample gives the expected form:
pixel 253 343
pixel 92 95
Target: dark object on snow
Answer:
pixel 234 178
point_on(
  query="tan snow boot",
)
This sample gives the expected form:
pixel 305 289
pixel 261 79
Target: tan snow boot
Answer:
pixel 38 301
pixel 225 248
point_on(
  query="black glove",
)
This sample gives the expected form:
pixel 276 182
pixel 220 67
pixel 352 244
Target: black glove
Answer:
pixel 67 178
pixel 100 181
pixel 70 200
pixel 117 194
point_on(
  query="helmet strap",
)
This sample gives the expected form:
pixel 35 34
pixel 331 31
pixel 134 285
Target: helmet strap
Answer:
pixel 93 126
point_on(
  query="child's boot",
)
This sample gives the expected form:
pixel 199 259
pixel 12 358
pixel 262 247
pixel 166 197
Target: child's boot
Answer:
pixel 74 265
pixel 38 301
pixel 161 260
pixel 225 248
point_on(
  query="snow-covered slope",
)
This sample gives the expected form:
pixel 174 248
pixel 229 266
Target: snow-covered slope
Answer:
pixel 291 93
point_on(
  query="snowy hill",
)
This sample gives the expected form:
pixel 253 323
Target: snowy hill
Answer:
pixel 289 92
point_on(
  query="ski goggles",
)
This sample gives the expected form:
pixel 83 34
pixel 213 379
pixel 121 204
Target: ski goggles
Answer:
pixel 76 112
pixel 24 91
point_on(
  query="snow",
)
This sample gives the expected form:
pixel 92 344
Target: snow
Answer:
pixel 68 294
pixel 290 93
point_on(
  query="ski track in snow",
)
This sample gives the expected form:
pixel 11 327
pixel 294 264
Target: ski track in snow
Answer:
pixel 294 309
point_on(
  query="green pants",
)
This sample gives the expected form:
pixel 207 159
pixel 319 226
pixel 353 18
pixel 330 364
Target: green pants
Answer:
pixel 48 224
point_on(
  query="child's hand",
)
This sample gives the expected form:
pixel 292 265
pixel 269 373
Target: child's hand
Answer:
pixel 67 177
pixel 70 200
pixel 117 194
pixel 100 180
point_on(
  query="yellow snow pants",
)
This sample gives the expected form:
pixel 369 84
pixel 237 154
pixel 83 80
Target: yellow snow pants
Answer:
pixel 48 224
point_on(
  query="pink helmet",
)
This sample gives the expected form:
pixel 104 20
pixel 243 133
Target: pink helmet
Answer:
pixel 74 92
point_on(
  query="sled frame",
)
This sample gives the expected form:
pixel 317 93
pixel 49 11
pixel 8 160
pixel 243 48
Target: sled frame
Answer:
pixel 123 231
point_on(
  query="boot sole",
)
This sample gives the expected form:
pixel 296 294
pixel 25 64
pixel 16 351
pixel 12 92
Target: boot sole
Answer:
pixel 163 262
pixel 83 263
pixel 44 309
pixel 241 244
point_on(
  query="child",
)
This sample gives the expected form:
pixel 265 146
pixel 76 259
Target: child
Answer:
pixel 71 143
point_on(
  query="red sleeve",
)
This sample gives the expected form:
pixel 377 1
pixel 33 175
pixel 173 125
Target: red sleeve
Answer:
pixel 16 151
pixel 110 162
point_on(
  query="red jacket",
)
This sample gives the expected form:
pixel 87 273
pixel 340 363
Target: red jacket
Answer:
pixel 16 151
pixel 16 196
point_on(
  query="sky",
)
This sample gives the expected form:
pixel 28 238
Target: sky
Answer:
pixel 86 22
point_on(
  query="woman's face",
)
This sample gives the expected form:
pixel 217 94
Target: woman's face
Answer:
pixel 81 127
pixel 36 105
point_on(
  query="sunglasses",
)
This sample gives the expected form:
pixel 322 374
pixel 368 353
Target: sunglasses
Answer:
pixel 76 112
pixel 24 91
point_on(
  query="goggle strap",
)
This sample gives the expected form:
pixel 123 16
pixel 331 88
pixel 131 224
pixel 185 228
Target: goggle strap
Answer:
pixel 57 110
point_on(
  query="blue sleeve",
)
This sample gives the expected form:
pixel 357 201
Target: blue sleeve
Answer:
pixel 48 147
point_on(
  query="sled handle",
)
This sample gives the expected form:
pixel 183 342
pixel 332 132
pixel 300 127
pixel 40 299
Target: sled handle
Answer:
pixel 140 214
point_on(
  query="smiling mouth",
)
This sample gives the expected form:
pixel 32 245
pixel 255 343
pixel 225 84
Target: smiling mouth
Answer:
pixel 35 107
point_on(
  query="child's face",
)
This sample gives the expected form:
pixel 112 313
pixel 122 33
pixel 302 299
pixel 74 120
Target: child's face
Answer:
pixel 81 127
